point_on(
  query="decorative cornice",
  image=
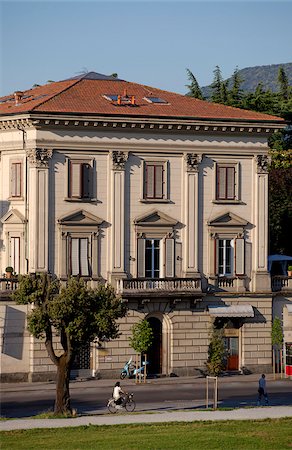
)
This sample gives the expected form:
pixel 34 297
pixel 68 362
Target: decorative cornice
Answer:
pixel 192 162
pixel 119 160
pixel 39 157
pixel 143 123
pixel 262 162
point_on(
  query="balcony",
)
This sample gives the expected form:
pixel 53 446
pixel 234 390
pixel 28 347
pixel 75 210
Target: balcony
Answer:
pixel 227 284
pixel 159 287
pixel 281 283
pixel 7 286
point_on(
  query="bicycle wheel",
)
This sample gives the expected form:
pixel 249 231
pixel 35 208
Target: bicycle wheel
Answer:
pixel 112 406
pixel 130 406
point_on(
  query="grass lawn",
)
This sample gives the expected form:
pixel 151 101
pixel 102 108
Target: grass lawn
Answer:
pixel 261 434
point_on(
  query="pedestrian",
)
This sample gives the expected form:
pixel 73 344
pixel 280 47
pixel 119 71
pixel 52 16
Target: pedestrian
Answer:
pixel 262 390
pixel 119 395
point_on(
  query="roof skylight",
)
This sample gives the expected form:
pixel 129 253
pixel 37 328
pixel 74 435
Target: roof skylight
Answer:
pixel 155 100
pixel 111 97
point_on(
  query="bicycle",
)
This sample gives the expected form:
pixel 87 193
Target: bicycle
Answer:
pixel 128 404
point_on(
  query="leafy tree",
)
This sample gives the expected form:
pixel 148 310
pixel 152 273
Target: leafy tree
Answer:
pixel 216 351
pixel 77 314
pixel 277 333
pixel 194 88
pixel 216 86
pixel 141 339
pixel 142 336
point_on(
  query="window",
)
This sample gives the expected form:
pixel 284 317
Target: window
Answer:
pixel 156 258
pixel 155 180
pixel 225 183
pixel 225 257
pixel 16 179
pixel 15 253
pixel 155 100
pixel 79 261
pixel 152 258
pixel 80 180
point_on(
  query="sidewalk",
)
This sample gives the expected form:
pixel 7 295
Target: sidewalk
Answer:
pixel 131 418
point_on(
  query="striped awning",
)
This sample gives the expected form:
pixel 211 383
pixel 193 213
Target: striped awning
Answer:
pixel 231 311
pixel 289 308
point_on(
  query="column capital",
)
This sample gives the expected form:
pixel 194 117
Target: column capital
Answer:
pixel 192 162
pixel 262 162
pixel 39 157
pixel 119 160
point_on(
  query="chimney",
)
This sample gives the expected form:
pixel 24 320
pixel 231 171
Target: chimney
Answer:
pixel 133 100
pixel 18 96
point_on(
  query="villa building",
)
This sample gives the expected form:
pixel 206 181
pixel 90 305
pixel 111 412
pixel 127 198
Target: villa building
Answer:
pixel 163 196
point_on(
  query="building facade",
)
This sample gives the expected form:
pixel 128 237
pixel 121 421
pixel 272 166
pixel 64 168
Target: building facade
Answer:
pixel 161 195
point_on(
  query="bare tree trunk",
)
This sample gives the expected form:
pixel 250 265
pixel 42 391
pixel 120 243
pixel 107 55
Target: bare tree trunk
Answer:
pixel 62 402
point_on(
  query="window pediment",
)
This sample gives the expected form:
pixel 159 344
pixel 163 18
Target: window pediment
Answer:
pixel 80 217
pixel 155 218
pixel 228 220
pixel 13 216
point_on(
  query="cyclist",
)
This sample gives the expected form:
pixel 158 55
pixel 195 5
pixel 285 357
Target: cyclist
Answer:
pixel 119 395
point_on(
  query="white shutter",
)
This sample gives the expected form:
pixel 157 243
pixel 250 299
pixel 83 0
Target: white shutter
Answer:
pixel 74 256
pixel 141 258
pixel 75 181
pixel 15 253
pixel 169 258
pixel 84 257
pixel 239 256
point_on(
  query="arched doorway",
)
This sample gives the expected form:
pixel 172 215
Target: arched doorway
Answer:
pixel 154 354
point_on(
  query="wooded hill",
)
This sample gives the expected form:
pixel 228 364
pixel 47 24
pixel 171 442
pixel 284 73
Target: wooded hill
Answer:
pixel 252 76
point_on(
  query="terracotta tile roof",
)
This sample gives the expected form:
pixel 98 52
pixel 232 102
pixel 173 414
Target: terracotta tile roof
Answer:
pixel 85 95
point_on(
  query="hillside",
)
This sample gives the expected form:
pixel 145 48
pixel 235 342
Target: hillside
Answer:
pixel 254 75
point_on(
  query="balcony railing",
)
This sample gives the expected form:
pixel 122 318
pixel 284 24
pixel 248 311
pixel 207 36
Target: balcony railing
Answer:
pixel 162 286
pixel 8 284
pixel 228 284
pixel 281 283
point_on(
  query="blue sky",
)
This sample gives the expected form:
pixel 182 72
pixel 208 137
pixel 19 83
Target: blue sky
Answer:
pixel 149 42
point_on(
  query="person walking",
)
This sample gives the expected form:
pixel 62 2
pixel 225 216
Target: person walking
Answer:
pixel 262 390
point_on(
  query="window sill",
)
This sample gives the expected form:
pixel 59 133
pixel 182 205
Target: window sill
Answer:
pixel 155 200
pixel 13 199
pixel 80 200
pixel 228 202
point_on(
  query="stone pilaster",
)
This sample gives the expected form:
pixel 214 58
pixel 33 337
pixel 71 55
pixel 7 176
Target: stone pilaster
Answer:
pixel 191 251
pixel 261 278
pixel 38 208
pixel 117 198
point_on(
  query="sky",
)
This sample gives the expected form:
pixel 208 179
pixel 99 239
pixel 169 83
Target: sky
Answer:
pixel 148 42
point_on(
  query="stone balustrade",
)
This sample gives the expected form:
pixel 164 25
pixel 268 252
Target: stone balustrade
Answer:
pixel 161 285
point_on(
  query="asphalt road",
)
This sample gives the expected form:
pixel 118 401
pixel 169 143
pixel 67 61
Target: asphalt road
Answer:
pixel 90 397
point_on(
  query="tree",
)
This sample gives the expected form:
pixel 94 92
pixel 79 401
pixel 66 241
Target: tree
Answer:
pixel 277 342
pixel 77 314
pixel 216 86
pixel 216 351
pixel 235 93
pixel 142 337
pixel 283 84
pixel 194 88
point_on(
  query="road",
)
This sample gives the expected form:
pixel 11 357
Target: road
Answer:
pixel 90 397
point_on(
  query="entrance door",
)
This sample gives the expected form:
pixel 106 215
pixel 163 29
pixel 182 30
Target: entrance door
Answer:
pixel 232 350
pixel 154 354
